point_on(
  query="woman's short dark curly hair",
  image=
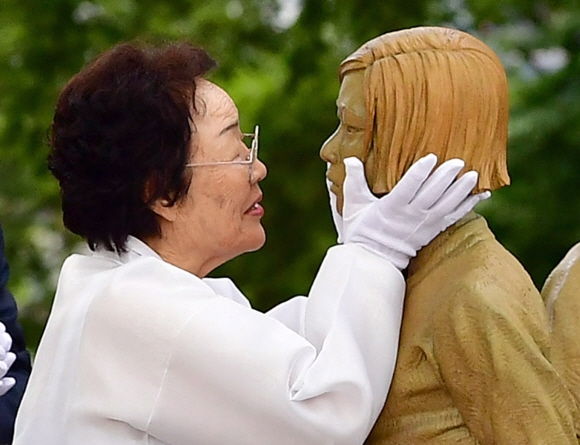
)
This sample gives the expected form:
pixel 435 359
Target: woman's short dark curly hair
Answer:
pixel 120 139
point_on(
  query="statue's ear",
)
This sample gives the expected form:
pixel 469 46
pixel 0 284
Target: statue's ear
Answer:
pixel 376 174
pixel 370 167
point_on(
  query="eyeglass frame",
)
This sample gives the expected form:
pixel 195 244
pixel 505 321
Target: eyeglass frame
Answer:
pixel 253 153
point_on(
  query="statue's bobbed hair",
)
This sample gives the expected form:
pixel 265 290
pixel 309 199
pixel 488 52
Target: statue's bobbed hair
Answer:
pixel 432 90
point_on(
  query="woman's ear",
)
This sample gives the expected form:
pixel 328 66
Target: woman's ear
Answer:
pixel 160 206
pixel 163 209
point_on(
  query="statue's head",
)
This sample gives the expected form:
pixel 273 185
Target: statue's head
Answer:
pixel 417 91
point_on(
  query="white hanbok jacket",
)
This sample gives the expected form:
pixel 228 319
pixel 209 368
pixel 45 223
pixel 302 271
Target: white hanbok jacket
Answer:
pixel 137 351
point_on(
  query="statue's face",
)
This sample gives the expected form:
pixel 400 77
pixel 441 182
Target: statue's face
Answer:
pixel 348 139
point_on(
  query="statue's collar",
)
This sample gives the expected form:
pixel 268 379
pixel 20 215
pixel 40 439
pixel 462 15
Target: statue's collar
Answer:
pixel 462 235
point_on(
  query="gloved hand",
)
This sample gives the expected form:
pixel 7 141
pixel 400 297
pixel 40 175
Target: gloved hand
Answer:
pixel 418 208
pixel 6 360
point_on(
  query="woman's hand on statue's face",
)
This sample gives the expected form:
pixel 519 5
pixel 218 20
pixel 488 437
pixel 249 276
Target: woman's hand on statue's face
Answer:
pixel 421 205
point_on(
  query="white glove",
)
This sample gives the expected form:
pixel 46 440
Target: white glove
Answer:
pixel 6 360
pixel 418 208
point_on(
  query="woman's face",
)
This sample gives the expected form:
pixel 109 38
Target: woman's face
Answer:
pixel 348 139
pixel 220 217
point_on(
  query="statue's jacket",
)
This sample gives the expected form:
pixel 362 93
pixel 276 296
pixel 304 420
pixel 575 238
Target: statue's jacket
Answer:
pixel 474 354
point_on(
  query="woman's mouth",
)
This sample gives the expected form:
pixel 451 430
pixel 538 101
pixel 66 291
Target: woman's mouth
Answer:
pixel 256 209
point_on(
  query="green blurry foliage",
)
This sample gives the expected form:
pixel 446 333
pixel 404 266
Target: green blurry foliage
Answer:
pixel 278 59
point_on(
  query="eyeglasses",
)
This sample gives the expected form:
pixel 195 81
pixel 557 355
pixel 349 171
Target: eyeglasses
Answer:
pixel 252 155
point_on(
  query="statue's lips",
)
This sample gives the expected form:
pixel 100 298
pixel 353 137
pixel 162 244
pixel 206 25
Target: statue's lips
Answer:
pixel 335 186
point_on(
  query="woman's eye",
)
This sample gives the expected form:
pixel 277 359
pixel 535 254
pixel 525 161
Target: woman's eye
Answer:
pixel 243 157
pixel 351 130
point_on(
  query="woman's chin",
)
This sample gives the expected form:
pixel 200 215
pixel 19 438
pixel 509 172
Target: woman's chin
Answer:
pixel 259 241
pixel 253 241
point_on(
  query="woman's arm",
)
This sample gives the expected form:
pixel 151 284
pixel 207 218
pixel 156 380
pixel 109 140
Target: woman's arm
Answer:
pixel 238 376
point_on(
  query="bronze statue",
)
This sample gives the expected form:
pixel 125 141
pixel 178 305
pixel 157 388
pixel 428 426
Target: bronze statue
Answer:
pixel 473 364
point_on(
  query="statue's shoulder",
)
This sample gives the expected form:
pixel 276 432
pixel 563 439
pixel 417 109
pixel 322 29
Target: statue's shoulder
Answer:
pixel 564 280
pixel 561 294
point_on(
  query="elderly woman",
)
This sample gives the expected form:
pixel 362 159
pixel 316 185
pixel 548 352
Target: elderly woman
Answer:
pixel 140 348
pixel 473 362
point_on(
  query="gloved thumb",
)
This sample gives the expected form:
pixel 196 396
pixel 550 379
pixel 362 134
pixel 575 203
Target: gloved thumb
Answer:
pixel 5 344
pixel 10 359
pixel 336 217
pixel 331 197
pixel 357 194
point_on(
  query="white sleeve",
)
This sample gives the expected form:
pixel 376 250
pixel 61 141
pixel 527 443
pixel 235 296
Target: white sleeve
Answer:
pixel 238 376
pixel 291 313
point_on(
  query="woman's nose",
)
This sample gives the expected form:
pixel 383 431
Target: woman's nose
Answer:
pixel 259 171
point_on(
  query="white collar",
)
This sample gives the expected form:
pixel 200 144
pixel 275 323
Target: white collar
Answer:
pixel 138 249
pixel 135 249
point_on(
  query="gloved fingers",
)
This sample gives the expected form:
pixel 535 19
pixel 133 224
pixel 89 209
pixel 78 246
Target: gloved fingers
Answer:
pixel 408 186
pixel 357 194
pixel 10 359
pixel 456 194
pixel 5 384
pixel 434 188
pixel 483 196
pixel 465 207
pixel 5 339
pixel 7 363
pixel 5 344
